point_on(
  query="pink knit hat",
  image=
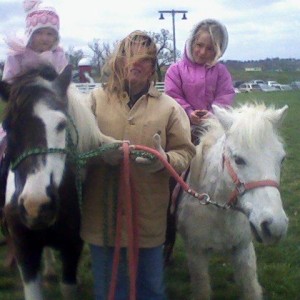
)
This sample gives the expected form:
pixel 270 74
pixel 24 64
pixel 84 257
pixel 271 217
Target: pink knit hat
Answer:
pixel 39 17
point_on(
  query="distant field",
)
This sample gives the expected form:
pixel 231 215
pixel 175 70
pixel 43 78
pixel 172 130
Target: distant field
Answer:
pixel 278 266
pixel 281 77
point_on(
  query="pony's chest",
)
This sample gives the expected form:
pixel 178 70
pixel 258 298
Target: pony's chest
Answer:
pixel 212 228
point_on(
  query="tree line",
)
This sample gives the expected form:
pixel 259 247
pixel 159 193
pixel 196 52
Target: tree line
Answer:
pixel 100 51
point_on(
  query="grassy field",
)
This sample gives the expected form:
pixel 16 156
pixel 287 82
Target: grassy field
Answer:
pixel 281 77
pixel 278 266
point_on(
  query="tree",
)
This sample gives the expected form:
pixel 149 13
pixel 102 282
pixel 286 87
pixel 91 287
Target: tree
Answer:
pixel 74 56
pixel 100 54
pixel 163 42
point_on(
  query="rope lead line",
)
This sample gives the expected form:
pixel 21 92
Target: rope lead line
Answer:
pixel 127 197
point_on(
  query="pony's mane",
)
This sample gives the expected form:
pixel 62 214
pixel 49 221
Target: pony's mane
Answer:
pixel 21 90
pixel 84 120
pixel 40 79
pixel 253 123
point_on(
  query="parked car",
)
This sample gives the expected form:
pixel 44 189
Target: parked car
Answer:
pixel 267 88
pixel 257 81
pixel 282 87
pixel 272 83
pixel 237 83
pixel 249 87
pixel 295 85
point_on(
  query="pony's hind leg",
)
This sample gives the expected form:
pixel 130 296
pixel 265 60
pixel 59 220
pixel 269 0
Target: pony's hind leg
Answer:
pixel 198 267
pixel 244 262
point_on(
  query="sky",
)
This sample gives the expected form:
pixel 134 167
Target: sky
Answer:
pixel 257 29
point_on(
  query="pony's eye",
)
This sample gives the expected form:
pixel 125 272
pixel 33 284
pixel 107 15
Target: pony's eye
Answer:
pixel 282 160
pixel 61 126
pixel 239 161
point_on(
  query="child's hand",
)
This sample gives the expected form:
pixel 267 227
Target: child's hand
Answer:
pixel 198 115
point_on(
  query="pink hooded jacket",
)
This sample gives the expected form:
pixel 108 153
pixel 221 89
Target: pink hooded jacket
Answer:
pixel 196 86
pixel 18 62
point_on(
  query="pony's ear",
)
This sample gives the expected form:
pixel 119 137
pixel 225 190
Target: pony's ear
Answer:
pixel 278 116
pixel 4 90
pixel 224 116
pixel 63 80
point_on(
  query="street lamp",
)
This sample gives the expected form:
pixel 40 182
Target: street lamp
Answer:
pixel 173 12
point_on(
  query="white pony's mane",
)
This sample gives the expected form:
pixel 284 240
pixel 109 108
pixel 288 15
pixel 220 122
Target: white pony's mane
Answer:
pixel 252 124
pixel 89 135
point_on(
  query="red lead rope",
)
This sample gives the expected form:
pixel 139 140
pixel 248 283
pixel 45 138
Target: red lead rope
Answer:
pixel 127 204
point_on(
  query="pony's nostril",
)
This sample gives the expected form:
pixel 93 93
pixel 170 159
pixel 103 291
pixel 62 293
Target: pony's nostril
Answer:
pixel 265 228
pixel 21 201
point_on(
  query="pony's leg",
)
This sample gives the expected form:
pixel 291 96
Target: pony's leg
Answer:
pixel 198 262
pixel 70 260
pixel 49 263
pixel 29 264
pixel 32 289
pixel 244 263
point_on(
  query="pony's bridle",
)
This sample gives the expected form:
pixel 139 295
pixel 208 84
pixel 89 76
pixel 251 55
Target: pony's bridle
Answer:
pixel 241 187
pixel 68 150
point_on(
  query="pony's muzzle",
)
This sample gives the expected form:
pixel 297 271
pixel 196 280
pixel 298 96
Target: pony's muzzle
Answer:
pixel 38 213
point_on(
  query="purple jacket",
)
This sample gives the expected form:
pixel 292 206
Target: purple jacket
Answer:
pixel 18 62
pixel 196 86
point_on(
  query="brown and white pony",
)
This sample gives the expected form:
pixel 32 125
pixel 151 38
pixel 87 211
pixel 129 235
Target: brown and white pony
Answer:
pixel 42 206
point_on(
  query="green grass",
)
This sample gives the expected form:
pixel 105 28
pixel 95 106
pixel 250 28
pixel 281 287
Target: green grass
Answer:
pixel 278 266
pixel 281 77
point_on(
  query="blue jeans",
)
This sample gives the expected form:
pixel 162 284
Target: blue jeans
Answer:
pixel 150 275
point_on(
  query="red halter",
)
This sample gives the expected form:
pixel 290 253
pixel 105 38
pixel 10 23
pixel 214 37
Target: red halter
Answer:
pixel 241 187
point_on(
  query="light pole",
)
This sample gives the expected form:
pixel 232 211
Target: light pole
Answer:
pixel 173 12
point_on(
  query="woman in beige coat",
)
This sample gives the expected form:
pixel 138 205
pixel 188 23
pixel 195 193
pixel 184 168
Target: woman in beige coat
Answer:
pixel 130 108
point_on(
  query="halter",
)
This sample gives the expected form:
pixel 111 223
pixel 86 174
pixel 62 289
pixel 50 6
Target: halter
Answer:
pixel 70 147
pixel 241 187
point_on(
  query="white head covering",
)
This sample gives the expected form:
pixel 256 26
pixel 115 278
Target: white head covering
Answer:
pixel 39 16
pixel 207 22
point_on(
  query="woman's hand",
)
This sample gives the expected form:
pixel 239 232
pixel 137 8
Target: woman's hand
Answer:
pixel 156 165
pixel 197 116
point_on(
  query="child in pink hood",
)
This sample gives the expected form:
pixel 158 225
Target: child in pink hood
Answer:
pixel 40 44
pixel 199 80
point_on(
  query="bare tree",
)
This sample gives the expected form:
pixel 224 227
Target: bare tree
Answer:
pixel 74 56
pixel 100 53
pixel 163 41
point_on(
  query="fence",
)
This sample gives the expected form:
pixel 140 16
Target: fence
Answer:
pixel 160 86
pixel 87 87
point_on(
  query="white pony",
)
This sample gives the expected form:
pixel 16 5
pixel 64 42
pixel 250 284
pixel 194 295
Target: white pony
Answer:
pixel 239 160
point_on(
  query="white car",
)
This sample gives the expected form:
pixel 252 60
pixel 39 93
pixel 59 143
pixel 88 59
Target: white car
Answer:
pixel 272 83
pixel 295 85
pixel 257 81
pixel 268 88
pixel 283 87
pixel 249 87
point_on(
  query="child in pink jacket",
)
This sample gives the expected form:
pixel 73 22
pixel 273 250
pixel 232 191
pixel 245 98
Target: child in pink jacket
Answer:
pixel 199 80
pixel 40 44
